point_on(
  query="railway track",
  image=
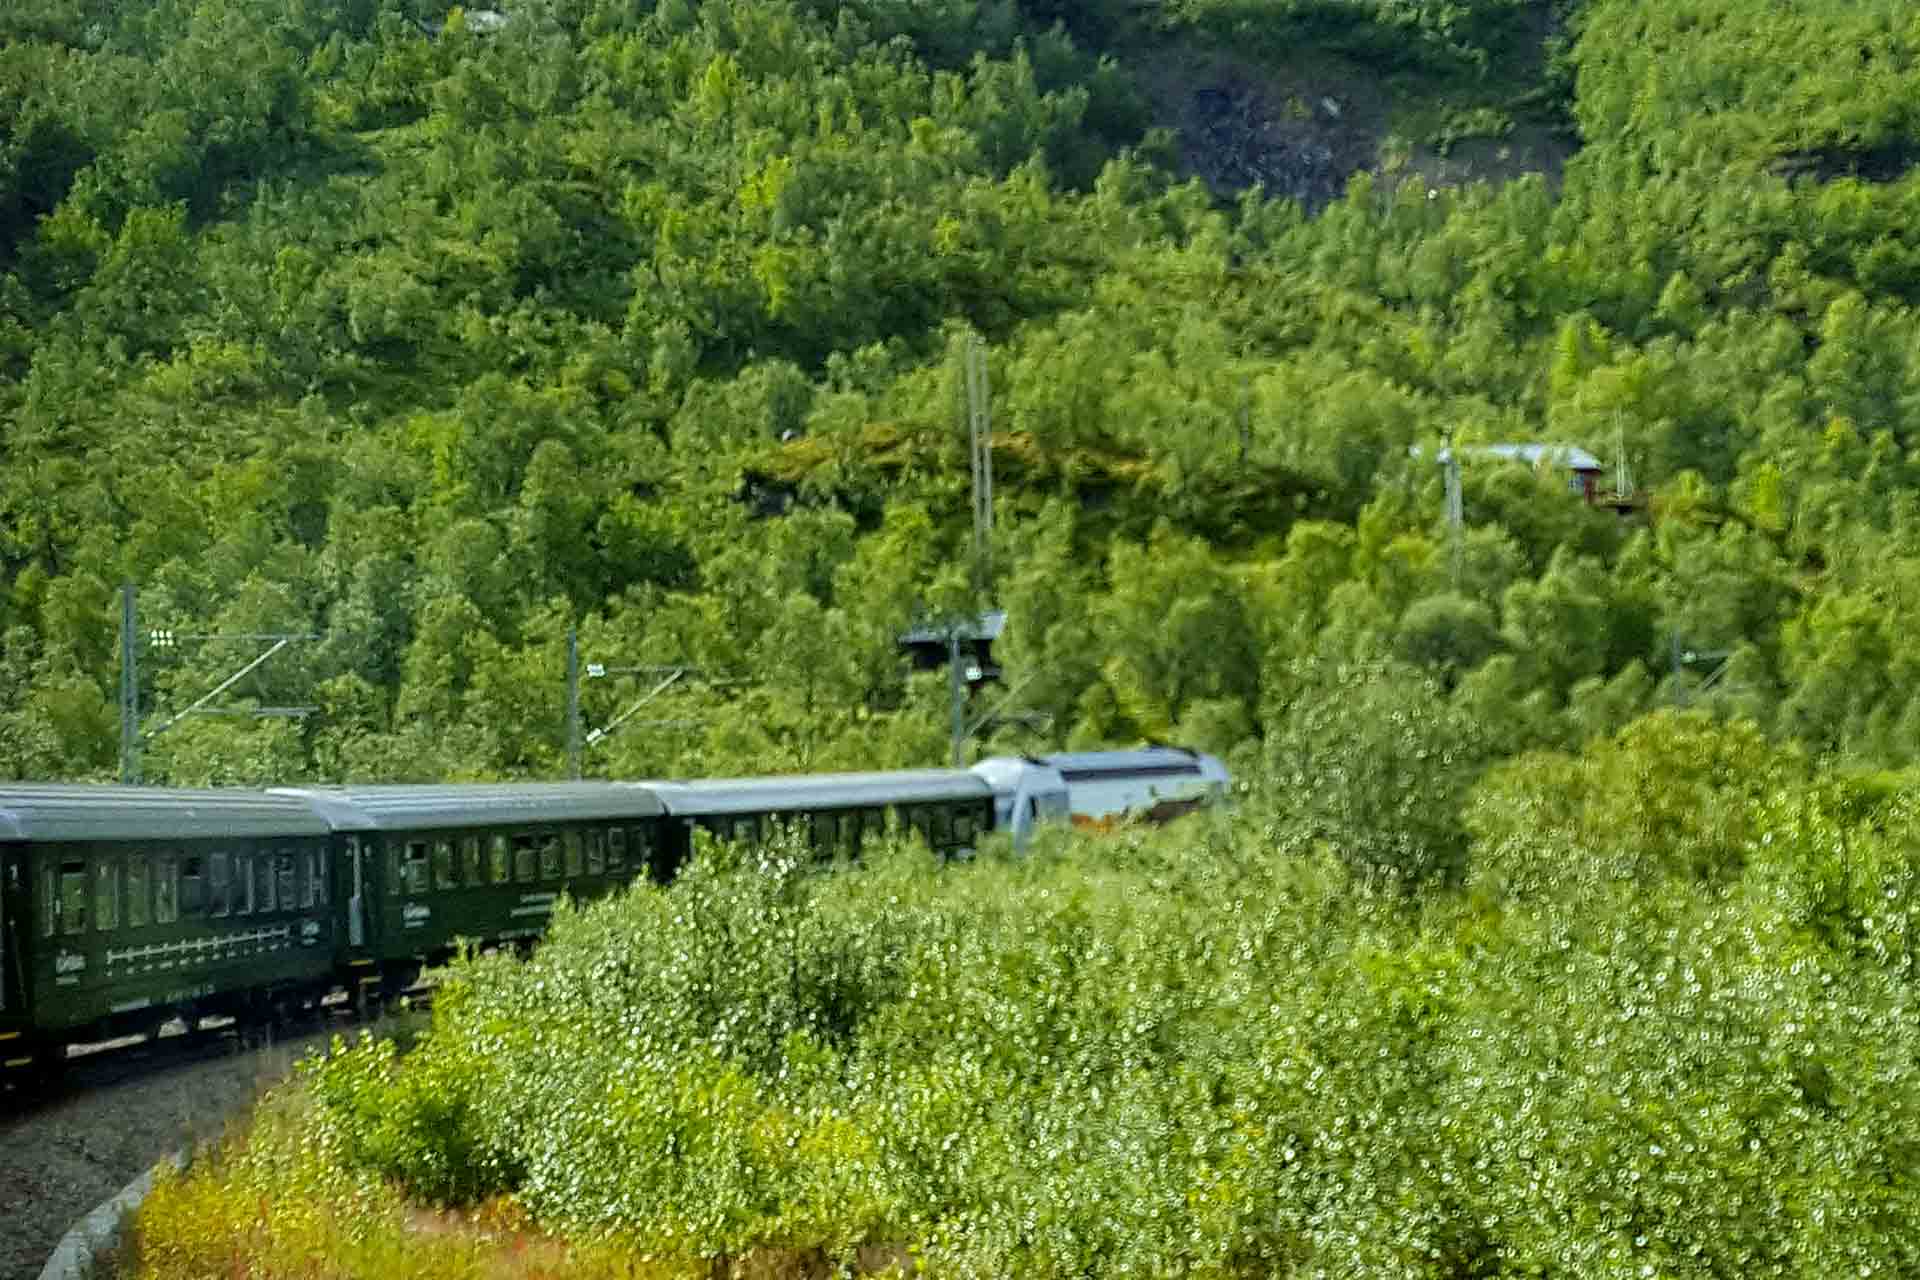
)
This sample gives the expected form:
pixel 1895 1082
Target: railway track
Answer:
pixel 122 1106
pixel 92 1068
pixel 99 1068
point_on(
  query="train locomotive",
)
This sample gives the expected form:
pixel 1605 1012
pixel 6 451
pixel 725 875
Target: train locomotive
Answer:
pixel 122 908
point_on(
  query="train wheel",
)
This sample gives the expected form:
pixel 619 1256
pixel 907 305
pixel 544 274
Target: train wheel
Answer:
pixel 49 1067
pixel 398 979
pixel 253 1027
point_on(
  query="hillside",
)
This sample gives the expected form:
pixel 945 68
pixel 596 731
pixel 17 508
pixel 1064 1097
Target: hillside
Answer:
pixel 1567 920
pixel 432 335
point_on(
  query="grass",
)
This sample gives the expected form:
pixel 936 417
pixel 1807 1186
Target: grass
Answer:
pixel 263 1203
pixel 215 1219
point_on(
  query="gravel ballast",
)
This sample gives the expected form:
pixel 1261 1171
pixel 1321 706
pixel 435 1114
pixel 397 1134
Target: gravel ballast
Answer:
pixel 62 1157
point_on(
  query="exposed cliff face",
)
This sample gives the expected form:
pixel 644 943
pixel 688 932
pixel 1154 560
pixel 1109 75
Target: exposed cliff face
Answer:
pixel 1235 132
pixel 1302 129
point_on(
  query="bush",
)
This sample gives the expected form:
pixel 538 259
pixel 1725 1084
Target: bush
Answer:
pixel 1372 761
pixel 1174 1051
pixel 1444 34
pixel 1673 794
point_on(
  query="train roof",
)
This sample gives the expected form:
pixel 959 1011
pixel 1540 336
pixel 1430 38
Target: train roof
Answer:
pixel 70 812
pixel 796 792
pixel 1006 773
pixel 1145 762
pixel 416 808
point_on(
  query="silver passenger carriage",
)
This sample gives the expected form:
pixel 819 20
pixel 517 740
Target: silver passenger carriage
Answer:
pixel 1151 784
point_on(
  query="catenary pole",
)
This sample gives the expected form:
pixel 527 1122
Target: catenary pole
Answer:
pixel 573 703
pixel 956 689
pixel 129 687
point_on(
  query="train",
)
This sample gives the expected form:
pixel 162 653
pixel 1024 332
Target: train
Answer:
pixel 124 908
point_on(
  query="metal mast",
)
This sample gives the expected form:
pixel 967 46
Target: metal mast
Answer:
pixel 573 703
pixel 131 735
pixel 1456 516
pixel 980 452
pixel 129 689
pixel 957 695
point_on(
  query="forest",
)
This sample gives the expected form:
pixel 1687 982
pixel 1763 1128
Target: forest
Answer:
pixel 430 341
pixel 1566 921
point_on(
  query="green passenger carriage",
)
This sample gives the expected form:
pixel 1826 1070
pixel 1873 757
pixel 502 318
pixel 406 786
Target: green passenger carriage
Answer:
pixel 425 867
pixel 123 907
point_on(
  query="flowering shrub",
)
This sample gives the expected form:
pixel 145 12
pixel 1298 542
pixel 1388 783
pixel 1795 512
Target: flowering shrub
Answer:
pixel 1183 1051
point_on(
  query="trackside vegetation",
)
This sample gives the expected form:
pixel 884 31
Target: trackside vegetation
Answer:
pixel 1566 925
pixel 434 335
pixel 1660 1021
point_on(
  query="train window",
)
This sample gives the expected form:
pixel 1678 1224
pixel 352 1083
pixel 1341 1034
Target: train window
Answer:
pixel 596 852
pixel 475 860
pixel 193 889
pixel 963 828
pixel 500 860
pixel 73 897
pixel 550 856
pixel 415 873
pixel 106 894
pixel 315 894
pixel 523 859
pixel 137 902
pixel 166 890
pixel 264 899
pixel 617 851
pixel 283 874
pixel 243 878
pixel 576 858
pixel 445 874
pixel 220 883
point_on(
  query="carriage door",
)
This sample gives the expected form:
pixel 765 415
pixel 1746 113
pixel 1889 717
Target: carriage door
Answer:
pixel 361 887
pixel 9 957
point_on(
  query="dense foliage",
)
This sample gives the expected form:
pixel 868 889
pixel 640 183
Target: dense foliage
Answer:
pixel 1668 1029
pixel 432 337
pixel 436 334
pixel 1413 32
